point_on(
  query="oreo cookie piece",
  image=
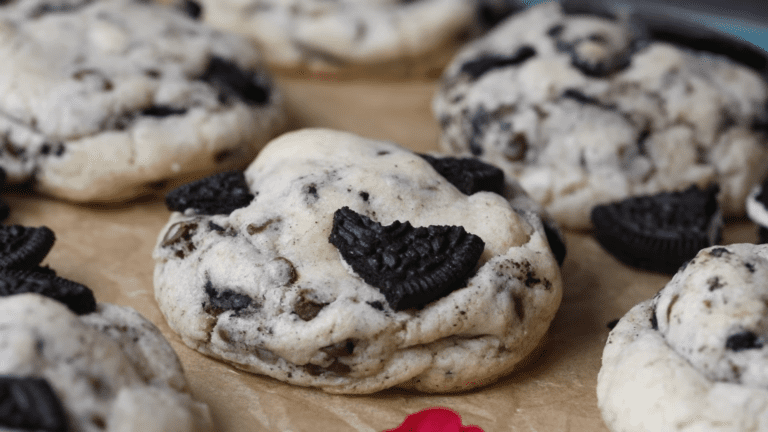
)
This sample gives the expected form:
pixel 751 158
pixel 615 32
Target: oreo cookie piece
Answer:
pixel 221 193
pixel 5 209
pixel 659 232
pixel 468 175
pixel 29 403
pixel 24 247
pixel 410 266
pixel 78 298
pixel 757 210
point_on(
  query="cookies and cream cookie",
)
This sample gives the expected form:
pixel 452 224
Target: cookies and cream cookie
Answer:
pixel 582 112
pixel 106 100
pixel 110 369
pixel 404 37
pixel 693 357
pixel 353 265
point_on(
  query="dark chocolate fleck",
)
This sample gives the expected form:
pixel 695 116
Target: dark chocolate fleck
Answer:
pixel 743 341
pixel 364 196
pixel 376 305
pixel 654 321
pixel 306 308
pixel 215 227
pixel 191 8
pixel 714 283
pixel 480 66
pixel 718 252
pixel 611 324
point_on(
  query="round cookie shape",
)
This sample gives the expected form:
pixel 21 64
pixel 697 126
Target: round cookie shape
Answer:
pixel 582 112
pixel 264 289
pixel 108 100
pixel 111 369
pixel 693 357
pixel 352 36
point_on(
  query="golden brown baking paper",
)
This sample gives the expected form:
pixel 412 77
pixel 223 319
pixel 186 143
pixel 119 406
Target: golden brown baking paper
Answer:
pixel 109 249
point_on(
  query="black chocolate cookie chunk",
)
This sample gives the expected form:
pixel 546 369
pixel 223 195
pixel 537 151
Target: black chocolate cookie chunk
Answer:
pixel 218 194
pixel 468 175
pixel 5 209
pixel 231 81
pixel 659 232
pixel 28 403
pixel 757 209
pixel 410 266
pixel 75 296
pixel 24 247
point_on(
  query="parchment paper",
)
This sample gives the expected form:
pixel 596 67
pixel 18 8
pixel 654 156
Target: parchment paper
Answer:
pixel 109 249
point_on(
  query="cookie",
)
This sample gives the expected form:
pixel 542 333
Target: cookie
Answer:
pixel 757 212
pixel 126 97
pixel 339 273
pixel 349 36
pixel 693 357
pixel 659 232
pixel 110 369
pixel 582 110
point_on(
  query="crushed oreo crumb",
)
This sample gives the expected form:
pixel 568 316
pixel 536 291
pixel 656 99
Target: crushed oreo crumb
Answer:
pixel 221 300
pixel 743 341
pixel 410 266
pixel 78 298
pixel 191 8
pixel 233 82
pixel 480 66
pixel 221 193
pixel 29 403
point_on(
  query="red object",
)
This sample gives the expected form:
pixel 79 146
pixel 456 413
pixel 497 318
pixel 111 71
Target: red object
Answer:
pixel 434 420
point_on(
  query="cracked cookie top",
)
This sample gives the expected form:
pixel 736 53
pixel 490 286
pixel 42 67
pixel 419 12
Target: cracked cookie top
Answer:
pixel 582 111
pixel 92 79
pixel 357 267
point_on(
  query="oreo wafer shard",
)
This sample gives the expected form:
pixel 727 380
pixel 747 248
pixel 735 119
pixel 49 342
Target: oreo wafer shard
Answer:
pixel 757 210
pixel 220 193
pixel 5 209
pixel 410 266
pixel 78 298
pixel 29 403
pixel 24 247
pixel 659 232
pixel 468 175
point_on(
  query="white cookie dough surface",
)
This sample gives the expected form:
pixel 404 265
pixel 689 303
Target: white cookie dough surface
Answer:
pixel 107 100
pixel 342 35
pixel 112 369
pixel 581 113
pixel 301 315
pixel 694 357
